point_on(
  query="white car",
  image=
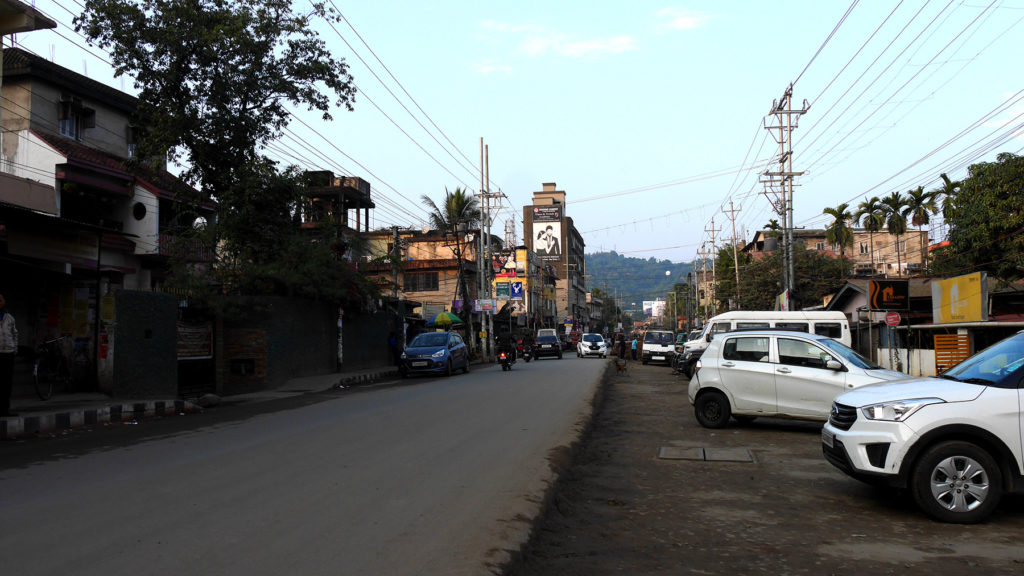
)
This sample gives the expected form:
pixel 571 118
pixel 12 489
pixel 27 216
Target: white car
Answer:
pixel 658 346
pixel 591 345
pixel 954 440
pixel 781 374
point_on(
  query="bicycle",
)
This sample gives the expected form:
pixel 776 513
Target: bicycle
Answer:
pixel 50 366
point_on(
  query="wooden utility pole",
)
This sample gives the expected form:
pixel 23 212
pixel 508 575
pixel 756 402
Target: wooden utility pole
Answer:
pixel 735 249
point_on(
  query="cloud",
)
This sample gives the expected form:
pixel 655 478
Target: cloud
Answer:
pixel 680 19
pixel 487 67
pixel 540 44
pixel 537 41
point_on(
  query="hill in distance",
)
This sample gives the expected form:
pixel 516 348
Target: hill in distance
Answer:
pixel 635 279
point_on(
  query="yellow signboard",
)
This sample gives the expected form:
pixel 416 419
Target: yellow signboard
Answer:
pixel 960 299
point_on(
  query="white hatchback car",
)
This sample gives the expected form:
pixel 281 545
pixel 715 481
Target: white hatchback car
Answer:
pixel 954 441
pixel 591 344
pixel 776 373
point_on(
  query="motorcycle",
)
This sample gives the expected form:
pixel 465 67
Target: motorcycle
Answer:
pixel 506 360
pixel 527 352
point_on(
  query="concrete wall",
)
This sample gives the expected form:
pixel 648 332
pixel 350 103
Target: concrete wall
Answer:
pixel 365 341
pixel 145 345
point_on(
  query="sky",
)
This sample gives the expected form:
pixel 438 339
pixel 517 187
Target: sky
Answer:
pixel 649 115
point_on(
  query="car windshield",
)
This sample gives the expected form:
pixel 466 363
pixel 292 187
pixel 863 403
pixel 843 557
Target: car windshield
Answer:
pixel 658 338
pixel 547 339
pixel 429 340
pixel 849 355
pixel 1000 364
pixel 592 338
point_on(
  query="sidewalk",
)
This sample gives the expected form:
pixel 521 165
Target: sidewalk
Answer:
pixel 67 411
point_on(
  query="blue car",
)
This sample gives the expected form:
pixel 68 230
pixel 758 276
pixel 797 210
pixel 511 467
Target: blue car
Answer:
pixel 435 353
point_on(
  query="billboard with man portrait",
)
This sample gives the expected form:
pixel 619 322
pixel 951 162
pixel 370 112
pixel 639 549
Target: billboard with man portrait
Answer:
pixel 547 232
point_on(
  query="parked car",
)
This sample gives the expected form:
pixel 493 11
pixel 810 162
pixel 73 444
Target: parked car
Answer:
pixel 435 352
pixel 547 346
pixel 776 373
pixel 591 345
pixel 658 346
pixel 954 441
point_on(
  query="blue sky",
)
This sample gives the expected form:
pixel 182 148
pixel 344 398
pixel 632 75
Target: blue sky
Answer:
pixel 650 114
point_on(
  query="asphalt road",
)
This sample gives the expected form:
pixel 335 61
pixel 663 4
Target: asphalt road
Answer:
pixel 430 476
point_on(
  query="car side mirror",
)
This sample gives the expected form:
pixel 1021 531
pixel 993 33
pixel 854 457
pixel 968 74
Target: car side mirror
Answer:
pixel 834 365
pixel 708 337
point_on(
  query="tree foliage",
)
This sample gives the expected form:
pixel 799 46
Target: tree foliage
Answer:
pixel 986 221
pixel 216 79
pixel 817 276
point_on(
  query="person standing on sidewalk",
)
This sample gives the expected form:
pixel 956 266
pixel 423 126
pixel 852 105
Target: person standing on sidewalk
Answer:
pixel 634 347
pixel 8 348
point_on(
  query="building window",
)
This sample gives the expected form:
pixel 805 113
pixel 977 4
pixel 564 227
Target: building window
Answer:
pixel 421 282
pixel 70 120
pixel 864 248
pixel 901 247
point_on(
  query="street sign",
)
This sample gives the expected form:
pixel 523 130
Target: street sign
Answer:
pixel 892 318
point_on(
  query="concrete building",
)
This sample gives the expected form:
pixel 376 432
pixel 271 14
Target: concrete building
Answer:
pixel 552 235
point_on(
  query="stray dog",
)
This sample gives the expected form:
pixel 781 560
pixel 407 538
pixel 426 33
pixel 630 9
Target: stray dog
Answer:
pixel 621 367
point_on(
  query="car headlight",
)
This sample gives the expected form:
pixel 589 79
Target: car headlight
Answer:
pixel 898 410
pixel 438 354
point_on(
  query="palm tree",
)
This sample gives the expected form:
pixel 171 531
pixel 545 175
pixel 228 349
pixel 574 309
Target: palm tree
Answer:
pixel 920 205
pixel 869 215
pixel 454 218
pixel 839 232
pixel 948 192
pixel 895 221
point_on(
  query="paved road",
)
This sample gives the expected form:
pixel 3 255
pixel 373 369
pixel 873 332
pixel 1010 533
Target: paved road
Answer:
pixel 440 476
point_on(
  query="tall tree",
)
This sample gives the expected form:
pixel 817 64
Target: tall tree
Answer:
pixel 947 195
pixel 839 232
pixel 920 205
pixel 893 209
pixel 986 228
pixel 216 79
pixel 454 217
pixel 870 216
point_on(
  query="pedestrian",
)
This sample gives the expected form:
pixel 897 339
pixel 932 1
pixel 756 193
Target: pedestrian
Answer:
pixel 622 346
pixel 396 352
pixel 634 347
pixel 8 348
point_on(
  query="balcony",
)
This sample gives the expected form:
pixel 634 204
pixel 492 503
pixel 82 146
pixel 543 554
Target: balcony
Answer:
pixel 189 250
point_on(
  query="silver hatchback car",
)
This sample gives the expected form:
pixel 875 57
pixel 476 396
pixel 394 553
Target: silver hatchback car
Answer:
pixel 776 373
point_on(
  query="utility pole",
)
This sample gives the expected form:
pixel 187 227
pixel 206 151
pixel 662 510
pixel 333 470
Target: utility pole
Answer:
pixel 735 250
pixel 484 257
pixel 714 279
pixel 396 254
pixel 782 131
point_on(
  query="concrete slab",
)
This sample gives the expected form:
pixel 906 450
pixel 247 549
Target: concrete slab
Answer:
pixel 728 455
pixel 674 453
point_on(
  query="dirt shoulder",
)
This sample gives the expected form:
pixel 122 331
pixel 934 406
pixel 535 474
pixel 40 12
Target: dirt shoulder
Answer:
pixel 620 509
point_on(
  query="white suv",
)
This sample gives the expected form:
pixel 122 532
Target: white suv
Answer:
pixel 658 346
pixel 954 441
pixel 776 373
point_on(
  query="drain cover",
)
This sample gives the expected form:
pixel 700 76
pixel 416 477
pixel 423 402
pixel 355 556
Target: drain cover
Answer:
pixel 706 454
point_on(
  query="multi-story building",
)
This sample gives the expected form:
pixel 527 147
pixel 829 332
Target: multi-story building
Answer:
pixel 80 223
pixel 892 257
pixel 552 235
pixel 519 284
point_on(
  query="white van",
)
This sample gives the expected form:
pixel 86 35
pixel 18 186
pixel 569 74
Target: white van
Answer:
pixel 833 325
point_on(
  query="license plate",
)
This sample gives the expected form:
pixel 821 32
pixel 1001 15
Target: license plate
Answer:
pixel 657 357
pixel 420 364
pixel 548 346
pixel 827 438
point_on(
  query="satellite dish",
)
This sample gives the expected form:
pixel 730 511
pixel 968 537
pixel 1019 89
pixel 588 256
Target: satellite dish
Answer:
pixel 469 237
pixel 426 229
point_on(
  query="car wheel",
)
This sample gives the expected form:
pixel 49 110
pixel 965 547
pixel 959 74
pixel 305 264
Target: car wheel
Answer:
pixel 957 482
pixel 644 362
pixel 712 409
pixel 448 369
pixel 465 369
pixel 688 370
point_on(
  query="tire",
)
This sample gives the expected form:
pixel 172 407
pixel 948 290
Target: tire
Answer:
pixel 712 409
pixel 688 370
pixel 644 362
pixel 956 482
pixel 43 384
pixel 448 370
pixel 465 369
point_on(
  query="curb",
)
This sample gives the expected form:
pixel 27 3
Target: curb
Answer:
pixel 46 423
pixel 367 378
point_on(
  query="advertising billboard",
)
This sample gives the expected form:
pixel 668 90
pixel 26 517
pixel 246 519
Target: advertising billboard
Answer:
pixel 547 232
pixel 889 294
pixel 960 299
